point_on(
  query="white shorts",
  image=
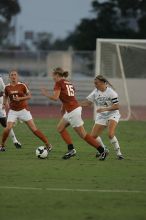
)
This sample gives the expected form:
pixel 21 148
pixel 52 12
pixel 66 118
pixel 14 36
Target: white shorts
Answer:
pixel 23 115
pixel 2 113
pixel 74 118
pixel 104 120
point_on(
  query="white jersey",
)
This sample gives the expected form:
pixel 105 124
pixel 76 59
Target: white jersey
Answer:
pixel 104 99
pixel 2 87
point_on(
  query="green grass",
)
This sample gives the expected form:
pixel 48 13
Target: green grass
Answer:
pixel 32 199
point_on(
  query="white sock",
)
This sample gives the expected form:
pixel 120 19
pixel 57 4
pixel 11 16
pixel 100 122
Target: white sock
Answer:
pixel 116 145
pixel 12 135
pixel 100 141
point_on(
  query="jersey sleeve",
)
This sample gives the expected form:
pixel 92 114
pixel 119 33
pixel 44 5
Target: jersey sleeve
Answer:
pixel 114 97
pixel 2 85
pixel 57 86
pixel 25 88
pixel 91 96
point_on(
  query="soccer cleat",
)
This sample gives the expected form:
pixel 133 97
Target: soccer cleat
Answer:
pixel 2 148
pixel 120 157
pixel 98 154
pixel 103 155
pixel 18 145
pixel 49 148
pixel 69 154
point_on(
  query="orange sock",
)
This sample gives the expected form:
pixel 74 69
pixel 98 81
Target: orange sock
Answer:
pixel 90 140
pixel 66 137
pixel 41 136
pixel 5 136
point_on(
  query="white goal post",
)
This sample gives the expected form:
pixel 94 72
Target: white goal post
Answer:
pixel 119 59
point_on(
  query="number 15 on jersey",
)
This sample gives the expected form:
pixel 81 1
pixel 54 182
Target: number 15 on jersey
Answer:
pixel 70 90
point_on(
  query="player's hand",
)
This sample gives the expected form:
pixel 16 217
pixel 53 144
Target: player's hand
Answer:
pixel 17 99
pixel 44 91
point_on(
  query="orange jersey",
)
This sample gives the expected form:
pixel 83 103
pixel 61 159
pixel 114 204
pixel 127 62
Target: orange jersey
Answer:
pixel 67 94
pixel 20 90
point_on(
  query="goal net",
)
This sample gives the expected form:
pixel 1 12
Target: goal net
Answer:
pixel 120 60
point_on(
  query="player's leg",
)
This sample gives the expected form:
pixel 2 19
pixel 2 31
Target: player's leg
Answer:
pixel 38 133
pixel 99 126
pixel 3 122
pixel 5 135
pixel 14 139
pixel 61 128
pixel 96 132
pixel 76 122
pixel 26 116
pixel 112 124
pixel 12 117
pixel 90 140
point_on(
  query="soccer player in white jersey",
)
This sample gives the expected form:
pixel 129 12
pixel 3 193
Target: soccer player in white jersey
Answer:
pixel 107 111
pixel 3 119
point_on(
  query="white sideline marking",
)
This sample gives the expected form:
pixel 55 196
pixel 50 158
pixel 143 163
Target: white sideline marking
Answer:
pixel 73 190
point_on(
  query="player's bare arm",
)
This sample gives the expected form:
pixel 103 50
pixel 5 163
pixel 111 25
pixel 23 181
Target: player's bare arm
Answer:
pixel 85 103
pixel 62 110
pixel 5 101
pixel 53 97
pixel 110 108
pixel 26 97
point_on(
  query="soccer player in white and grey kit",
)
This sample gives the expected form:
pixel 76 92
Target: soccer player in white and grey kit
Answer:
pixel 3 118
pixel 107 111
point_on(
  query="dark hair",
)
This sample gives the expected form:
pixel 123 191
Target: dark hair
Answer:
pixel 103 79
pixel 59 71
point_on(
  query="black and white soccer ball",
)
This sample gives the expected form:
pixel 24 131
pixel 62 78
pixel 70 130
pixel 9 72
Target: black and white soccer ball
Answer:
pixel 41 152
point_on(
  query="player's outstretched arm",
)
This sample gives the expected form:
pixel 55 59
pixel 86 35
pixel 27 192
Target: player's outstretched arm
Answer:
pixel 85 103
pixel 5 102
pixel 53 97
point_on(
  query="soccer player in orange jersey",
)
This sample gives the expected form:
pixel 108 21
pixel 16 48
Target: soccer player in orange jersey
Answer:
pixel 17 94
pixel 64 90
pixel 3 118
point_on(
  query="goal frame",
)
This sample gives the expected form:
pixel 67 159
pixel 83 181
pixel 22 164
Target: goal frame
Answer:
pixel 118 43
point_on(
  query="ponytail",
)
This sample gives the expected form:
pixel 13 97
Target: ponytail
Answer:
pixel 65 74
pixel 59 71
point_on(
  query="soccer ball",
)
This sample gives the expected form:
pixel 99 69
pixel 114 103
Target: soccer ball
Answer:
pixel 41 152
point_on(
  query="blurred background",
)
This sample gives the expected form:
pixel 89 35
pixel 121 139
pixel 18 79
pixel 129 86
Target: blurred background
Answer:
pixel 37 36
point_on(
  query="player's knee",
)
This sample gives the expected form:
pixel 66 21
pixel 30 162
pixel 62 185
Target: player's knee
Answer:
pixel 111 134
pixel 93 135
pixel 59 128
pixel 34 130
pixel 8 127
pixel 82 134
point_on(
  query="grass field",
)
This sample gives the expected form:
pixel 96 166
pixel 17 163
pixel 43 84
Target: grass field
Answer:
pixel 81 188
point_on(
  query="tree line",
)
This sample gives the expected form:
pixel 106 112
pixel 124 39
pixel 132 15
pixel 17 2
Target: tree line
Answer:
pixel 109 19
